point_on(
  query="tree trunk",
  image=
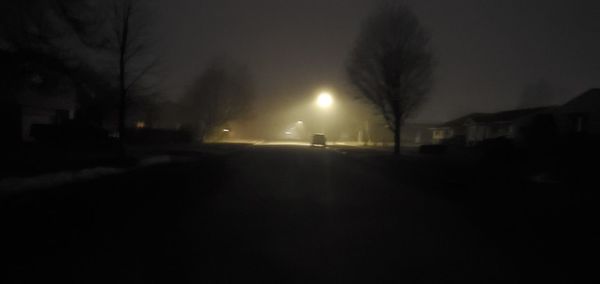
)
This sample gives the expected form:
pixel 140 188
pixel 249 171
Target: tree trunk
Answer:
pixel 397 127
pixel 122 87
pixel 122 118
pixel 122 104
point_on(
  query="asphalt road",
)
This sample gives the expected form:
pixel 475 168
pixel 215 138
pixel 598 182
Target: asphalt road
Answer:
pixel 266 214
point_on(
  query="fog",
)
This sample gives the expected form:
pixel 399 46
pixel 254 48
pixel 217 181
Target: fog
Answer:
pixel 487 52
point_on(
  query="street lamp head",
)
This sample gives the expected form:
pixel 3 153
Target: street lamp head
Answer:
pixel 324 100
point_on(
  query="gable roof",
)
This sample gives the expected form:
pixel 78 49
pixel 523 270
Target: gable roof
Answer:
pixel 587 100
pixel 462 120
pixel 507 116
pixel 497 117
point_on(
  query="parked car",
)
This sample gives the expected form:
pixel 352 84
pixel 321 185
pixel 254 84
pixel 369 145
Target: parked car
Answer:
pixel 319 140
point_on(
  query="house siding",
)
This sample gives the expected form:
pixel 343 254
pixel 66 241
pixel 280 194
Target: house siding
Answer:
pixel 36 108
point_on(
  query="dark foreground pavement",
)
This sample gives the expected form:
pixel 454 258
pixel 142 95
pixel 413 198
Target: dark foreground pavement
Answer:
pixel 269 214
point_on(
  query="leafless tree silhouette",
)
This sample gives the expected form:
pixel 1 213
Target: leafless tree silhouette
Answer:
pixel 391 64
pixel 44 40
pixel 129 39
pixel 223 92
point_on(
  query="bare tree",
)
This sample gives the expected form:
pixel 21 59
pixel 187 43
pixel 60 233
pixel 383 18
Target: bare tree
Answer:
pixel 391 64
pixel 129 40
pixel 222 93
pixel 43 39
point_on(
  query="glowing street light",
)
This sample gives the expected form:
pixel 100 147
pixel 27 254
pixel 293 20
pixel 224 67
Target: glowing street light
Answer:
pixel 324 100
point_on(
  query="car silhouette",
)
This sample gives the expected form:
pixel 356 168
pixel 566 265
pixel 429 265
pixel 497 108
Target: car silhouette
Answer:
pixel 319 140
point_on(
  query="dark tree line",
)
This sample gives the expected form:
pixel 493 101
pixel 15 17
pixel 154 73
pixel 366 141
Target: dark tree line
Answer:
pixel 37 43
pixel 98 49
pixel 103 51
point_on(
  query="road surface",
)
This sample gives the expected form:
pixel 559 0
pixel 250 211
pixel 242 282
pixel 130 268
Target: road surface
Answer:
pixel 266 214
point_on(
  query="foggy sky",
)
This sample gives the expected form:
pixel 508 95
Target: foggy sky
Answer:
pixel 487 51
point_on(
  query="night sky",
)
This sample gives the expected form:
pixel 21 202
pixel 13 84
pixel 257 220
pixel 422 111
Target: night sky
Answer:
pixel 487 51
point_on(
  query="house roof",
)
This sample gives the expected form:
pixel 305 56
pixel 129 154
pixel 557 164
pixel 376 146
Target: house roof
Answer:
pixel 462 120
pixel 587 100
pixel 420 125
pixel 497 117
pixel 507 116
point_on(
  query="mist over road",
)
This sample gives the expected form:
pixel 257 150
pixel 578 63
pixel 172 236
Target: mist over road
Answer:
pixel 268 213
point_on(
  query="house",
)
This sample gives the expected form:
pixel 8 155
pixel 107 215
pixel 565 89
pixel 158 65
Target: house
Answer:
pixel 580 115
pixel 505 124
pixel 476 127
pixel 452 130
pixel 28 108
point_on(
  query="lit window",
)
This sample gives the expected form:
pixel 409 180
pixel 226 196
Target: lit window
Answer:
pixel 140 124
